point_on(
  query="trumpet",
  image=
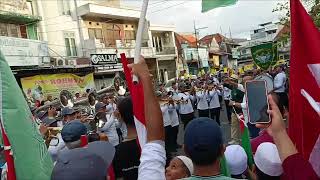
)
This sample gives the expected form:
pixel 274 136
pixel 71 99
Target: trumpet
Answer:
pixel 172 101
pixel 52 133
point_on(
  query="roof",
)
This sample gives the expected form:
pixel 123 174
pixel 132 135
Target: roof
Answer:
pixel 208 39
pixel 188 39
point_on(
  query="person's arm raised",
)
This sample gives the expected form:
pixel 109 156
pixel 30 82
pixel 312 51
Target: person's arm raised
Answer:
pixel 153 114
pixel 278 131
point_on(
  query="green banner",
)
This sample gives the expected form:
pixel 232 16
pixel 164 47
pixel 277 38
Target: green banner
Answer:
pixel 31 158
pixel 265 55
pixel 212 4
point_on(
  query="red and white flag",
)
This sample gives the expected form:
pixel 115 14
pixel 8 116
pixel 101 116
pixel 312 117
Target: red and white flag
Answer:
pixel 304 121
pixel 137 95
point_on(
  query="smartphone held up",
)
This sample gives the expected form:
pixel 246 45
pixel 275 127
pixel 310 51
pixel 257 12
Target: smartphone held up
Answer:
pixel 257 102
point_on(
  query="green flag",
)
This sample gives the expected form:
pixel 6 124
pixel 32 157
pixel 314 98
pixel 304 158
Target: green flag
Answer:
pixel 224 169
pixel 31 158
pixel 212 4
pixel 245 142
pixel 265 55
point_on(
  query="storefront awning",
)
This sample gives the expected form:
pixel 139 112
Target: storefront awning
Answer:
pixel 16 18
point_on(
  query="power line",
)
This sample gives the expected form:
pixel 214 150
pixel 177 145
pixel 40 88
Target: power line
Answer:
pixel 169 7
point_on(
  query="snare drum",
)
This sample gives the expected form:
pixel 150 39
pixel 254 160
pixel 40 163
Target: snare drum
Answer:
pixel 268 79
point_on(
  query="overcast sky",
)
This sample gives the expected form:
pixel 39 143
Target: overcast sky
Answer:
pixel 241 18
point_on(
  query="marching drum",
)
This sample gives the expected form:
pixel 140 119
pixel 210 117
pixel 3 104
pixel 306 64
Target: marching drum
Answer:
pixel 268 79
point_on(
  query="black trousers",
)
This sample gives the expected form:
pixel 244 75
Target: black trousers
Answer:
pixel 215 114
pixel 168 136
pixel 174 136
pixel 229 110
pixel 186 118
pixel 203 113
pixel 283 99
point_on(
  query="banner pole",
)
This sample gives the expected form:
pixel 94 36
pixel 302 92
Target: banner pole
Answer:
pixel 142 20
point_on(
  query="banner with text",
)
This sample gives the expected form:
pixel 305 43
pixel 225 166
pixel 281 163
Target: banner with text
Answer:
pixel 265 55
pixel 41 86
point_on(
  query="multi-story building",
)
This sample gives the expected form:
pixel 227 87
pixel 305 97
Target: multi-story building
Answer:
pixel 77 31
pixel 163 43
pixel 265 33
pixel 193 57
pixel 19 37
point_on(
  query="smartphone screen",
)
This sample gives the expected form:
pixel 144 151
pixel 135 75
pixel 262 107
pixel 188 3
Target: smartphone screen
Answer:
pixel 257 102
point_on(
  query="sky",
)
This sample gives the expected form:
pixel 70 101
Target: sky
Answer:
pixel 238 19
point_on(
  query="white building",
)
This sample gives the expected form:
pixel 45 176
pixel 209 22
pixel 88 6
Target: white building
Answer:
pixel 104 27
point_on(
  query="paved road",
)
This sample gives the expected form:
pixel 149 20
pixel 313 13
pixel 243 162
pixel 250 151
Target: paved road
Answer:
pixel 224 125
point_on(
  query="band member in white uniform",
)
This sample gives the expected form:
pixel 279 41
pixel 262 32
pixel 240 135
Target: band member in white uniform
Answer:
pixel 185 105
pixel 202 102
pixel 214 104
pixel 172 108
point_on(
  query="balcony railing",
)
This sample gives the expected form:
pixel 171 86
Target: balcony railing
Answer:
pixel 165 51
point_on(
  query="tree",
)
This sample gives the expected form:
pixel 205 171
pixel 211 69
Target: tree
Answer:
pixel 284 8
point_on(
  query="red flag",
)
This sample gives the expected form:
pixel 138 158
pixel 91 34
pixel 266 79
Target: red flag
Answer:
pixel 136 91
pixel 304 122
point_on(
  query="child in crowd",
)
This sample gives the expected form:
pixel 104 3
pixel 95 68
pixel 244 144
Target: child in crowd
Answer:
pixel 179 167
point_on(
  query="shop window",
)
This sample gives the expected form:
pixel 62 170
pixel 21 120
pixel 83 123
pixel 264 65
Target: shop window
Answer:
pixel 3 29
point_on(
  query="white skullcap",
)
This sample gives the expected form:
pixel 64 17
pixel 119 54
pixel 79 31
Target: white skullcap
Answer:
pixel 267 159
pixel 236 159
pixel 187 162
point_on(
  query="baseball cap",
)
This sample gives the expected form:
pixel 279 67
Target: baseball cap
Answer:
pixel 267 159
pixel 203 139
pixel 236 159
pixel 99 106
pixel 67 111
pixel 234 76
pixel 72 131
pixel 85 163
pixel 187 162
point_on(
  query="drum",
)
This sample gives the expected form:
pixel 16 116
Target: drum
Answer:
pixel 268 79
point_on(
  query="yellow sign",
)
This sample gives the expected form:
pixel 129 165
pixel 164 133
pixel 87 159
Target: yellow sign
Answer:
pixel 213 71
pixel 225 70
pixel 215 60
pixel 248 67
pixel 41 86
pixel 240 70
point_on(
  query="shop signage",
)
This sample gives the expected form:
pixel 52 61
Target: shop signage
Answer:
pixel 102 59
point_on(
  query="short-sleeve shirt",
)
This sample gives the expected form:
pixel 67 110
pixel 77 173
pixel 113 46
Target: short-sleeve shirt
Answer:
pixel 127 160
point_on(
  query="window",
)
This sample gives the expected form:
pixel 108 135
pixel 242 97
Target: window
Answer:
pixel 95 33
pixel 13 30
pixel 64 7
pixel 3 29
pixel 70 44
pixel 130 35
pixel 23 31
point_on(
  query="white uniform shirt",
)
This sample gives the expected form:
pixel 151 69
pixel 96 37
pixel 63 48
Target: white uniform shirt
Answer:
pixel 226 93
pixel 173 115
pixel 214 98
pixel 165 115
pixel 56 146
pixel 109 128
pixel 244 104
pixel 202 101
pixel 280 82
pixel 185 107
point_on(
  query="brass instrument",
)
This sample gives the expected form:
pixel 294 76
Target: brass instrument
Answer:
pixel 52 133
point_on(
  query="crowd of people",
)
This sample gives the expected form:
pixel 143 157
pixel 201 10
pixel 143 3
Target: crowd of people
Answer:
pixel 106 146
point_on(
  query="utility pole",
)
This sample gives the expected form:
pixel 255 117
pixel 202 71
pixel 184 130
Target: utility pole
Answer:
pixel 79 28
pixel 196 35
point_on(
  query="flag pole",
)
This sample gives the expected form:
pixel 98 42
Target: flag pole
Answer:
pixel 11 175
pixel 142 20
